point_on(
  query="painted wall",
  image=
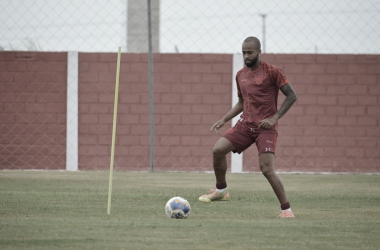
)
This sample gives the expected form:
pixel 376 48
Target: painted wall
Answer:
pixel 33 110
pixel 191 92
pixel 333 127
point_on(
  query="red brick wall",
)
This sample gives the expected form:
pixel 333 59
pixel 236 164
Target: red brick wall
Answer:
pixel 333 127
pixel 191 91
pixel 33 110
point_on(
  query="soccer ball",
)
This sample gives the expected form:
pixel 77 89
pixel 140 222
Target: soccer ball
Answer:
pixel 178 208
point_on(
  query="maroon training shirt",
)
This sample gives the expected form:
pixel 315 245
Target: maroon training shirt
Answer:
pixel 259 90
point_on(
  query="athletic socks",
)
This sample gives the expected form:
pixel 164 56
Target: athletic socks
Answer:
pixel 286 207
pixel 220 187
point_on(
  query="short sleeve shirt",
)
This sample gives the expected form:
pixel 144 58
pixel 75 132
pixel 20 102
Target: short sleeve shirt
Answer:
pixel 259 90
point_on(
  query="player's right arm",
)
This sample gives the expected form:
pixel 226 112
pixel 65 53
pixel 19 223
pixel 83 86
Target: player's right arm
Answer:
pixel 237 109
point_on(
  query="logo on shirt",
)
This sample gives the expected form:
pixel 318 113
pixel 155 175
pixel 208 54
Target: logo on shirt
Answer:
pixel 268 141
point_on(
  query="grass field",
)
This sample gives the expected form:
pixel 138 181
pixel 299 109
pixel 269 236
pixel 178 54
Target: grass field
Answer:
pixel 68 210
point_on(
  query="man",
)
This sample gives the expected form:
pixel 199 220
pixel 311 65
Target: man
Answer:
pixel 258 84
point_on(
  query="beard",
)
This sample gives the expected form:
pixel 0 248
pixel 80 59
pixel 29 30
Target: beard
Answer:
pixel 252 62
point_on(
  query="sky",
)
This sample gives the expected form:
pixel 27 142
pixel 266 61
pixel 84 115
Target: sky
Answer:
pixel 197 26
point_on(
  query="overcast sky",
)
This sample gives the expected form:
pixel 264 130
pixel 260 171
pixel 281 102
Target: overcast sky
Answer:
pixel 207 26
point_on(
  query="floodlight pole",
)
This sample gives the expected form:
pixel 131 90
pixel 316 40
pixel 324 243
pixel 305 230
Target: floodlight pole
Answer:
pixel 151 92
pixel 263 16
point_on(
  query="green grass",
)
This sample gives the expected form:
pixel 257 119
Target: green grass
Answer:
pixel 68 210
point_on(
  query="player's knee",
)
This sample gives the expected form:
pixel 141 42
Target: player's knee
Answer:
pixel 217 152
pixel 267 169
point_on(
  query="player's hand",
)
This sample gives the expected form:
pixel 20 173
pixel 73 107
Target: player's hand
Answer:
pixel 217 125
pixel 268 122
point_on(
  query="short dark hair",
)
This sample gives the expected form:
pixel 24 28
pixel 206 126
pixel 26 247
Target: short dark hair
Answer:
pixel 255 40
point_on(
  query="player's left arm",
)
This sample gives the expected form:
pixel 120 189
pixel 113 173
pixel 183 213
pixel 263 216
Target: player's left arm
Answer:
pixel 290 99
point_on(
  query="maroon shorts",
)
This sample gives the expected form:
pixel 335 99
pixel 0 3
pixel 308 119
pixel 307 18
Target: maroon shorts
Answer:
pixel 242 137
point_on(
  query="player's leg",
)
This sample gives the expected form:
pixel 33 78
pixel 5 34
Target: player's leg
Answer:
pixel 235 139
pixel 266 145
pixel 219 160
pixel 221 148
pixel 266 162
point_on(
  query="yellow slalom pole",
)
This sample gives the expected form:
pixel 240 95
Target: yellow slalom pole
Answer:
pixel 114 130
